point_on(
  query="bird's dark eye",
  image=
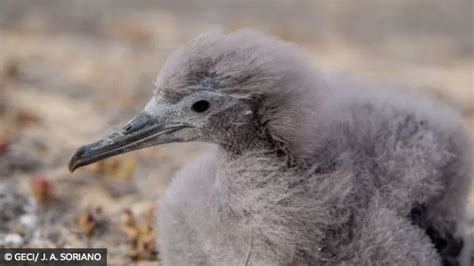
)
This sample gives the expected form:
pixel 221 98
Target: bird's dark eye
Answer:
pixel 201 106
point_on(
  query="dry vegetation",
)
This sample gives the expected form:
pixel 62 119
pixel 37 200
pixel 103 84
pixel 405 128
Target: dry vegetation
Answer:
pixel 70 74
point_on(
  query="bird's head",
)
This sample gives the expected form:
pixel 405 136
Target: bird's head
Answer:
pixel 242 90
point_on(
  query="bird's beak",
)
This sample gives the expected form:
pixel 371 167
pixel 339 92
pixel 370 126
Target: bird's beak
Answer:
pixel 143 131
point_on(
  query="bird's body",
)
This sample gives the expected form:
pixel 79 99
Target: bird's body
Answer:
pixel 376 157
pixel 308 168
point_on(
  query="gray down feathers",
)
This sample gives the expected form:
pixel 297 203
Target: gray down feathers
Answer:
pixel 328 170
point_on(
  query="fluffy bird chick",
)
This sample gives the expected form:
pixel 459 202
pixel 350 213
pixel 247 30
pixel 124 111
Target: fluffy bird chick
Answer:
pixel 308 169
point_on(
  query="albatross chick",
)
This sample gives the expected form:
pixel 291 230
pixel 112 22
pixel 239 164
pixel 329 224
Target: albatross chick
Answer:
pixel 308 168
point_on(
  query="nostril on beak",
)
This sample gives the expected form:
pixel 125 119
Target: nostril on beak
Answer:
pixel 127 129
pixel 137 123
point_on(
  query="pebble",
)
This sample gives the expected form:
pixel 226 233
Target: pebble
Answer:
pixel 28 220
pixel 13 240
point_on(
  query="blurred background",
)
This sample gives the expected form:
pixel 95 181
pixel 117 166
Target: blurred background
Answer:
pixel 72 71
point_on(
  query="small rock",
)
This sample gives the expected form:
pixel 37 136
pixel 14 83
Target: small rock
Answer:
pixel 28 220
pixel 13 240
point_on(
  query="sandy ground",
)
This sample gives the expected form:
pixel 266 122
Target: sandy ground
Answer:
pixel 71 74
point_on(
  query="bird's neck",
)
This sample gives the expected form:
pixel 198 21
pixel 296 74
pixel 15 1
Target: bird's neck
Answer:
pixel 259 141
pixel 249 143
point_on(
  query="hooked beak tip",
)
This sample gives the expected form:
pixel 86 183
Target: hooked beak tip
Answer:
pixel 72 166
pixel 74 161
